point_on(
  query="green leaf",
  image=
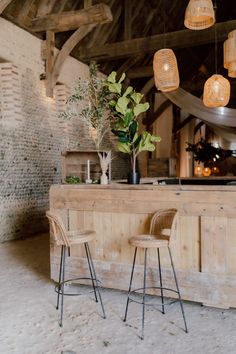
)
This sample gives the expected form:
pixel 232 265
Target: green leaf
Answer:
pixel 124 139
pixel 137 141
pixel 122 104
pixel 124 147
pixel 112 103
pixel 132 130
pixel 128 117
pixel 128 91
pixel 112 77
pixel 115 88
pixel 122 78
pixel 119 133
pixel 120 125
pixel 155 139
pixel 136 96
pixel 140 108
pixel 145 143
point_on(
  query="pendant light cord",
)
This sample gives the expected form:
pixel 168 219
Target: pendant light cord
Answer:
pixel 216 63
pixel 164 23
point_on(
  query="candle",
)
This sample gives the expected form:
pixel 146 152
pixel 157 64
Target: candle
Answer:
pixel 88 170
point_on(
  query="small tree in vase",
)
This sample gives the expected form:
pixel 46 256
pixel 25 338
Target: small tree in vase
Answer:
pixel 89 102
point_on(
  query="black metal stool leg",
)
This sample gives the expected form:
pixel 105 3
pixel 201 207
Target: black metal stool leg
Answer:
pixel 130 284
pixel 177 287
pixel 160 276
pixel 59 280
pixel 62 283
pixel 95 278
pixel 90 270
pixel 144 291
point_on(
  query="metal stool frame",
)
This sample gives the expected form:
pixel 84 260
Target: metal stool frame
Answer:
pixel 144 288
pixel 62 238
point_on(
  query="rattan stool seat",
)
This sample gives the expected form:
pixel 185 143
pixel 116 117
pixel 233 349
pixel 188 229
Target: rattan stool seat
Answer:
pixel 80 236
pixel 148 241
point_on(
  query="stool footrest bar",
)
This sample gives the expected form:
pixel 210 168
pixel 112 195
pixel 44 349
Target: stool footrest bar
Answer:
pixel 59 291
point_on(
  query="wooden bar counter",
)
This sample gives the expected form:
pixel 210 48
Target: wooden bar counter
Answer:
pixel 204 250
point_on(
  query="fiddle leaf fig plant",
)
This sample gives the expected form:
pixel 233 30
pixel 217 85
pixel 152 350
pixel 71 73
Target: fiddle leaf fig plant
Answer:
pixel 126 106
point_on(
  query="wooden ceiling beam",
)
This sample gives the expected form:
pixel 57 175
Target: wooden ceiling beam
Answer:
pixel 128 19
pixel 53 74
pixel 50 45
pixel 128 64
pixel 148 86
pixel 139 72
pixel 45 7
pixel 150 119
pixel 102 33
pixel 70 20
pixel 87 3
pixel 22 17
pixel 4 4
pixel 177 39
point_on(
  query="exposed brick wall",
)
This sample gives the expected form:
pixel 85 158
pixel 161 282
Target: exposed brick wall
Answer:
pixel 31 134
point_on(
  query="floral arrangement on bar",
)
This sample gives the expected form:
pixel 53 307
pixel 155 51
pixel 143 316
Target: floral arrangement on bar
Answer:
pixel 206 152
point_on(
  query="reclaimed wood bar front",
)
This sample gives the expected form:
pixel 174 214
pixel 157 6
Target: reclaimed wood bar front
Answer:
pixel 204 250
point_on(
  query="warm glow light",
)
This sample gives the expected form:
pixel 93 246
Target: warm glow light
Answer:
pixel 206 171
pixel 166 74
pixel 216 91
pixel 199 14
pixel 198 171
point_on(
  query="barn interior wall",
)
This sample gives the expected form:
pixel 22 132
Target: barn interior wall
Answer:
pixel 32 135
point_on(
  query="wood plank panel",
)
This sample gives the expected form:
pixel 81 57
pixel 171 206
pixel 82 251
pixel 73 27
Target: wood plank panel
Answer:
pixel 214 232
pixel 203 251
pixel 231 246
pixel 189 241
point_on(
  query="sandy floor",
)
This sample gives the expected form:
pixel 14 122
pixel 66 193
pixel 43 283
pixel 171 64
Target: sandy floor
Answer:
pixel 29 320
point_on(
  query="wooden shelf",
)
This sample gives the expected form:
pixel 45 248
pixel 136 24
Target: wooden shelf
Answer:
pixel 74 163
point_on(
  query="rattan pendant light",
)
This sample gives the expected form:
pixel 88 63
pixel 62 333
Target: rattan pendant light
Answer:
pixel 230 54
pixel 165 67
pixel 166 74
pixel 199 14
pixel 216 91
pixel 217 88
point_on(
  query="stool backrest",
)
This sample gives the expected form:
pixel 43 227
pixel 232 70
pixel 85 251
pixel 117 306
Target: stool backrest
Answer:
pixel 164 222
pixel 58 230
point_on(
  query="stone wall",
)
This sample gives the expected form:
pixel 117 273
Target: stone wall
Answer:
pixel 31 134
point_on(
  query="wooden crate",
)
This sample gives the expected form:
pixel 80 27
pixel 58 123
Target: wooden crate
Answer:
pixel 74 163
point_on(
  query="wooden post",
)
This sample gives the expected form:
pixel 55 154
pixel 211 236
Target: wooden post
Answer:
pixel 50 44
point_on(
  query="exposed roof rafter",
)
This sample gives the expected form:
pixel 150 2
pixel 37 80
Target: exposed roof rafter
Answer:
pixel 69 20
pixel 177 39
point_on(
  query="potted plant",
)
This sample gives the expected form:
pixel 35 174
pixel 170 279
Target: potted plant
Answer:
pixel 89 103
pixel 126 106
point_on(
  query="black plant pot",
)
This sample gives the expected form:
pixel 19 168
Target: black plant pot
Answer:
pixel 133 178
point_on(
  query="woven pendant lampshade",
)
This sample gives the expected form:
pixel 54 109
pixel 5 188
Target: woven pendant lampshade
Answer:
pixel 230 54
pixel 216 91
pixel 232 70
pixel 166 74
pixel 199 14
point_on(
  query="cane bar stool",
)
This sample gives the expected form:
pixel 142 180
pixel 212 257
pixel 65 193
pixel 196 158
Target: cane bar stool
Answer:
pixel 67 239
pixel 162 229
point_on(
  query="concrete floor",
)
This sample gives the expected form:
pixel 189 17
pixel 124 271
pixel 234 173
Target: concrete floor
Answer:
pixel 29 320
